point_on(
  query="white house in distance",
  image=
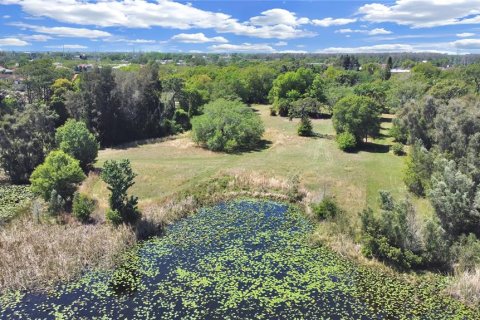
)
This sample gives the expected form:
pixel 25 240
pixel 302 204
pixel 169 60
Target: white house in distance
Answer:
pixel 397 70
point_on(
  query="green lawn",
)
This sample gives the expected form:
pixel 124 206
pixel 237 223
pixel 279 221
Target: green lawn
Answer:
pixel 353 178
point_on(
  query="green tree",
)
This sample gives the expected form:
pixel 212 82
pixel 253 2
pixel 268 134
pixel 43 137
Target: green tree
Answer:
pixel 388 69
pixel 448 89
pixel 418 169
pixel 346 141
pixel 82 207
pixel 57 101
pixel 75 139
pixel 305 128
pixel 426 70
pixel 358 115
pixel 25 137
pixel 472 73
pixel 453 197
pixel 60 172
pixel 227 126
pixel 119 177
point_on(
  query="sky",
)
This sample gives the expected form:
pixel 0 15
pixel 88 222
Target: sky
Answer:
pixel 298 26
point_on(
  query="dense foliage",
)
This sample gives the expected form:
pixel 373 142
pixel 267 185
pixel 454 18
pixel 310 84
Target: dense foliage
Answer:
pixel 82 206
pixel 119 177
pixel 227 126
pixel 26 136
pixel 75 139
pixel 60 173
pixel 358 115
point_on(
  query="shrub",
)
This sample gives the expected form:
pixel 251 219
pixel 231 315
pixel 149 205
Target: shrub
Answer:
pixel 182 119
pixel 60 172
pixel 114 217
pixel 326 209
pixel 273 112
pixel 82 207
pixel 56 203
pixel 346 141
pixel 75 139
pixel 437 250
pixel 120 177
pixel 466 252
pixel 393 236
pixel 227 126
pixel 397 149
pixel 305 127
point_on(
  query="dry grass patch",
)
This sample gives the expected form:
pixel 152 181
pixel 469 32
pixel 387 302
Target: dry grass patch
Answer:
pixel 465 286
pixel 36 256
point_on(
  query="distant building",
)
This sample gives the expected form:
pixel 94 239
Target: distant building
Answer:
pixel 397 70
pixel 83 68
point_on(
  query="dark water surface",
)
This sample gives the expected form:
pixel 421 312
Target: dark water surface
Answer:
pixel 244 259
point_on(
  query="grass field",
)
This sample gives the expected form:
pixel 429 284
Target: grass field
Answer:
pixel 353 178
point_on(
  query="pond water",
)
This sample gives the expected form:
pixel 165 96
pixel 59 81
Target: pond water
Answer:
pixel 244 259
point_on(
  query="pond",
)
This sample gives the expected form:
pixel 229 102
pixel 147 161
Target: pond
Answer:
pixel 244 259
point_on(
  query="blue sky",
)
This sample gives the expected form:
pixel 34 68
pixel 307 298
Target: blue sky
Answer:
pixel 447 26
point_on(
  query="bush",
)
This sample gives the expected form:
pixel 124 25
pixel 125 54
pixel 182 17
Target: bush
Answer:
pixel 466 252
pixel 56 204
pixel 397 149
pixel 273 112
pixel 346 141
pixel 60 172
pixel 182 119
pixel 82 207
pixel 326 209
pixel 437 250
pixel 393 236
pixel 227 126
pixel 114 217
pixel 76 140
pixel 305 127
pixel 120 177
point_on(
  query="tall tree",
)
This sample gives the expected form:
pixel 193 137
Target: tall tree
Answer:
pixel 26 136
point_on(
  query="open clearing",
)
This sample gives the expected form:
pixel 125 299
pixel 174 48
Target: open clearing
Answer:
pixel 353 178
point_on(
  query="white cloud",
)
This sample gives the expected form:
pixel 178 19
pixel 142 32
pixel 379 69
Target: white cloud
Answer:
pixel 68 46
pixel 465 35
pixel 423 13
pixel 197 38
pixel 140 41
pixel 278 16
pixel 328 22
pixel 467 44
pixel 274 23
pixel 280 44
pixel 444 47
pixel 37 37
pixel 65 31
pixel 373 32
pixel 293 51
pixel 6 16
pixel 244 47
pixel 12 42
pixel 370 49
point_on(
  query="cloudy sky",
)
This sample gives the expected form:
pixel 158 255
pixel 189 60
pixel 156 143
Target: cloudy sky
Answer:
pixel 450 26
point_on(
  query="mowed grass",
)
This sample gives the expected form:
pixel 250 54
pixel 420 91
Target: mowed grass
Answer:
pixel 353 178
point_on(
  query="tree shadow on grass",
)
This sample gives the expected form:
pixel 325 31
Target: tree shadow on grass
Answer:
pixel 373 147
pixel 260 146
pixel 327 136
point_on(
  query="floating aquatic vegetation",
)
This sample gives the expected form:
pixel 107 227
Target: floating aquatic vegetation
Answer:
pixel 244 259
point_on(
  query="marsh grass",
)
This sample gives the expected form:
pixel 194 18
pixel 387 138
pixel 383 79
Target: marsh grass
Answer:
pixel 466 287
pixel 39 255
